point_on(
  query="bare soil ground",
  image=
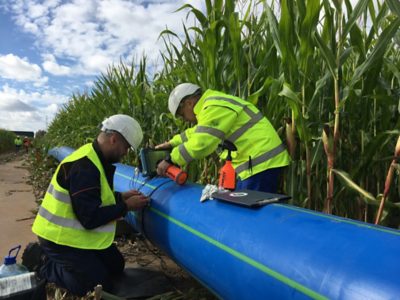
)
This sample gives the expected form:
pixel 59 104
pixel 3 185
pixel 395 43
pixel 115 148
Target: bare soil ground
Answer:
pixel 16 204
pixel 18 207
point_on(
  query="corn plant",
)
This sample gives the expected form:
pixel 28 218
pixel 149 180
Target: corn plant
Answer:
pixel 315 63
pixel 6 141
pixel 326 74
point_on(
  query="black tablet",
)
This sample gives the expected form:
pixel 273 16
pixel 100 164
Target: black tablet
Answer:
pixel 249 198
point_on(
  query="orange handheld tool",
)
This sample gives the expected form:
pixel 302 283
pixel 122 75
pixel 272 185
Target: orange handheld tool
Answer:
pixel 176 174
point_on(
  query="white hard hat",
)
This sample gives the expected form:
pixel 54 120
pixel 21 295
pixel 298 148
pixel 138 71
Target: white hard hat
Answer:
pixel 127 126
pixel 179 92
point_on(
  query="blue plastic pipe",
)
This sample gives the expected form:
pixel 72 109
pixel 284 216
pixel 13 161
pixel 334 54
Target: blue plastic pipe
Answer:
pixel 277 251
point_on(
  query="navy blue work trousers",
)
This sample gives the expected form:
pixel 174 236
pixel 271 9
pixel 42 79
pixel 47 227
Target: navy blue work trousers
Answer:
pixel 80 270
pixel 266 181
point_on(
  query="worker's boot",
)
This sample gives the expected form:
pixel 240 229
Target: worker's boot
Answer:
pixel 33 257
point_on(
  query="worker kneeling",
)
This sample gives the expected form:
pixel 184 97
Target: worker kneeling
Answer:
pixel 77 219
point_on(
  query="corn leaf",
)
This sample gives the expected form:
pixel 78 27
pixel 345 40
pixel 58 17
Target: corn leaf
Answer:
pixel 355 14
pixel 345 177
pixel 378 51
pixel 394 6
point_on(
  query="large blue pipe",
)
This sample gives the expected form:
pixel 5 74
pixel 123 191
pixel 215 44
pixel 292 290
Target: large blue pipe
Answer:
pixel 277 251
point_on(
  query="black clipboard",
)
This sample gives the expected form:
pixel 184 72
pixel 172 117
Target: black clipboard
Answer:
pixel 249 198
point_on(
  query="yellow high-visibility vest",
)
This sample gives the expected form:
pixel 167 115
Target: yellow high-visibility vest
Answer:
pixel 225 117
pixel 56 220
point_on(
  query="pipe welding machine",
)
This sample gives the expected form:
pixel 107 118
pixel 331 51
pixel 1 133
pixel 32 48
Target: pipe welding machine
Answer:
pixel 150 158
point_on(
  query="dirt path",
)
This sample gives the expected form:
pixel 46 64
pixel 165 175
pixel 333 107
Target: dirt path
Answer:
pixel 16 204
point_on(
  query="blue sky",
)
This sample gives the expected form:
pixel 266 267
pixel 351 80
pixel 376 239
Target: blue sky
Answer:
pixel 51 48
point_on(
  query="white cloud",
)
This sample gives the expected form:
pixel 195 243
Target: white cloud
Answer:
pixel 20 69
pixel 89 83
pixel 37 10
pixel 16 105
pixel 78 39
pixel 28 121
pixel 93 34
pixel 96 62
pixel 31 27
pixel 21 110
pixel 50 65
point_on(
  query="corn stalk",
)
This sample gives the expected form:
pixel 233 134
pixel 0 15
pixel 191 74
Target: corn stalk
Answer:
pixel 388 181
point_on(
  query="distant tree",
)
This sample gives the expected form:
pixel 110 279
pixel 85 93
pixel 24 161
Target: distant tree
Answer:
pixel 40 134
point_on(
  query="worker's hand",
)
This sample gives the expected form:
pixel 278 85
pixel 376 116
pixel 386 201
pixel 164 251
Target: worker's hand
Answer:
pixel 165 145
pixel 130 193
pixel 162 167
pixel 137 201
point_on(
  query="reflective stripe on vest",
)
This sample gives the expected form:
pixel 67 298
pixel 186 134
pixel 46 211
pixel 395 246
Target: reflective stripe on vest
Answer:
pixel 260 159
pixel 59 195
pixel 254 117
pixel 185 154
pixel 184 137
pixel 71 223
pixel 212 131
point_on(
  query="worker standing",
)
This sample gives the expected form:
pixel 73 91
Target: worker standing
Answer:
pixel 17 143
pixel 219 118
pixel 27 144
pixel 76 221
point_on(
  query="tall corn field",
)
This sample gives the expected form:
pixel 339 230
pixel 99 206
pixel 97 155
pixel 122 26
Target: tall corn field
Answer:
pixel 325 72
pixel 6 141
